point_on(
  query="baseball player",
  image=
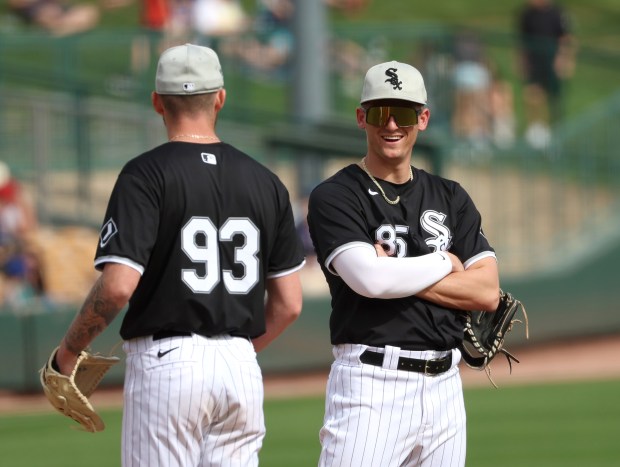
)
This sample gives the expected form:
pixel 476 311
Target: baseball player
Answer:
pixel 194 235
pixel 402 251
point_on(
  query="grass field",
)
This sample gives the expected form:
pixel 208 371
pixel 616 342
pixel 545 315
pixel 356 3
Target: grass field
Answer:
pixel 568 425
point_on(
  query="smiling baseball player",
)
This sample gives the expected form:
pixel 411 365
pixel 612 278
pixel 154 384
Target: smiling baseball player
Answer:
pixel 402 251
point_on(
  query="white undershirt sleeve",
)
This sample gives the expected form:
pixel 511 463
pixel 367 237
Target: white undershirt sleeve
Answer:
pixel 388 277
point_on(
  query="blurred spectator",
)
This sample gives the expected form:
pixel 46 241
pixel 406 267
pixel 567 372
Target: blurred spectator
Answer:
pixel 155 14
pixel 56 16
pixel 502 110
pixel 179 28
pixel 164 23
pixel 167 23
pixel 17 217
pixel 20 268
pixel 269 48
pixel 471 118
pixel 218 18
pixel 267 51
pixel 155 20
pixel 547 58
pixel 23 279
pixel 349 59
pixel 483 101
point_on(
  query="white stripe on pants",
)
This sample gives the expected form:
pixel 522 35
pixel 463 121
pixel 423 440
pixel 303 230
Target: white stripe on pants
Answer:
pixel 383 417
pixel 192 402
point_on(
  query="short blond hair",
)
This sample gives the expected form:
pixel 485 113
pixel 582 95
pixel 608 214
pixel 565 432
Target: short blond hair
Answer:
pixel 195 104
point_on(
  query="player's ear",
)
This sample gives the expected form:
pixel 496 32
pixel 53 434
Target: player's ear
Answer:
pixel 423 118
pixel 361 117
pixel 157 105
pixel 220 99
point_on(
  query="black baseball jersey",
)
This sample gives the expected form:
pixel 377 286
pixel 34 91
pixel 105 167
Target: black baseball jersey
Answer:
pixel 433 214
pixel 205 224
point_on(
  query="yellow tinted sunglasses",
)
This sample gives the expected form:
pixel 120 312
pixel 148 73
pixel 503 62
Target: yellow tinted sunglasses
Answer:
pixel 380 116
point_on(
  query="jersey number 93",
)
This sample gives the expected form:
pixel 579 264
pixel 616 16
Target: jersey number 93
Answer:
pixel 209 254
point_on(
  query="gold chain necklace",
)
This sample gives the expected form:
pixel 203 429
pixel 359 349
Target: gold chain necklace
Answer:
pixel 192 137
pixel 395 201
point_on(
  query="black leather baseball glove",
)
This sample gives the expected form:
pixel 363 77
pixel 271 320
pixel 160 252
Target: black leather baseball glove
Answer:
pixel 485 333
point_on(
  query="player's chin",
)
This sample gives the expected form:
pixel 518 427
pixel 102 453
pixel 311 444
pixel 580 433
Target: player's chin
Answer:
pixel 396 150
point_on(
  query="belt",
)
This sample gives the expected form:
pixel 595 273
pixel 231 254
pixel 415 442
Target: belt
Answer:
pixel 167 333
pixel 432 367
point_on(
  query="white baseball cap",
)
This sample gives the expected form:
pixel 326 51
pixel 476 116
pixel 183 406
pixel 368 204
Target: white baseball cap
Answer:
pixel 188 69
pixel 394 80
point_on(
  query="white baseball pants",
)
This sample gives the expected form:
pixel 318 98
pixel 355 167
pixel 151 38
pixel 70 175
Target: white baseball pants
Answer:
pixel 383 417
pixel 192 402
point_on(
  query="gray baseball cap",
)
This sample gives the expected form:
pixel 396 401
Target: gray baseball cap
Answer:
pixel 394 80
pixel 188 69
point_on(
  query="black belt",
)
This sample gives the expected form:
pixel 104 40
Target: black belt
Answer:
pixel 166 333
pixel 432 367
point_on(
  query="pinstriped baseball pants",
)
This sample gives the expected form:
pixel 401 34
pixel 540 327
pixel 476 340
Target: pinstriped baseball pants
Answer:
pixel 383 417
pixel 192 402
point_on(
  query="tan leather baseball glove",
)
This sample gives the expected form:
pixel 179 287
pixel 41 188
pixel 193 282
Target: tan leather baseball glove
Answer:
pixel 69 394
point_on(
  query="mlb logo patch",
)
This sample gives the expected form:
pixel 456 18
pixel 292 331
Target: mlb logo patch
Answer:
pixel 208 158
pixel 189 87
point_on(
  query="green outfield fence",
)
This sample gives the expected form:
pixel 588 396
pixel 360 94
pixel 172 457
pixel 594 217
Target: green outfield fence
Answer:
pixel 74 110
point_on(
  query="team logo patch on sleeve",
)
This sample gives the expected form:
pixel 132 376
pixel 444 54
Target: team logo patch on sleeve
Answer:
pixel 107 232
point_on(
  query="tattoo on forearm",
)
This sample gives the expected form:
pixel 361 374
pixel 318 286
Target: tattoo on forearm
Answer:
pixel 96 314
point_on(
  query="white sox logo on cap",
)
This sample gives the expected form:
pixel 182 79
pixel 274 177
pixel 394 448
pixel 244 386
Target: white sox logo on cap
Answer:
pixel 393 78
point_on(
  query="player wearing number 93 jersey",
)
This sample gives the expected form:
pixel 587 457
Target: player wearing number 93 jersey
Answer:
pixel 211 224
pixel 199 239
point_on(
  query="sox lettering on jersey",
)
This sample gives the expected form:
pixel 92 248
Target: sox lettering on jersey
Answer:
pixel 432 222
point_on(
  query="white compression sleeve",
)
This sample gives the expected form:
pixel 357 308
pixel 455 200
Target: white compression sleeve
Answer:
pixel 389 277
